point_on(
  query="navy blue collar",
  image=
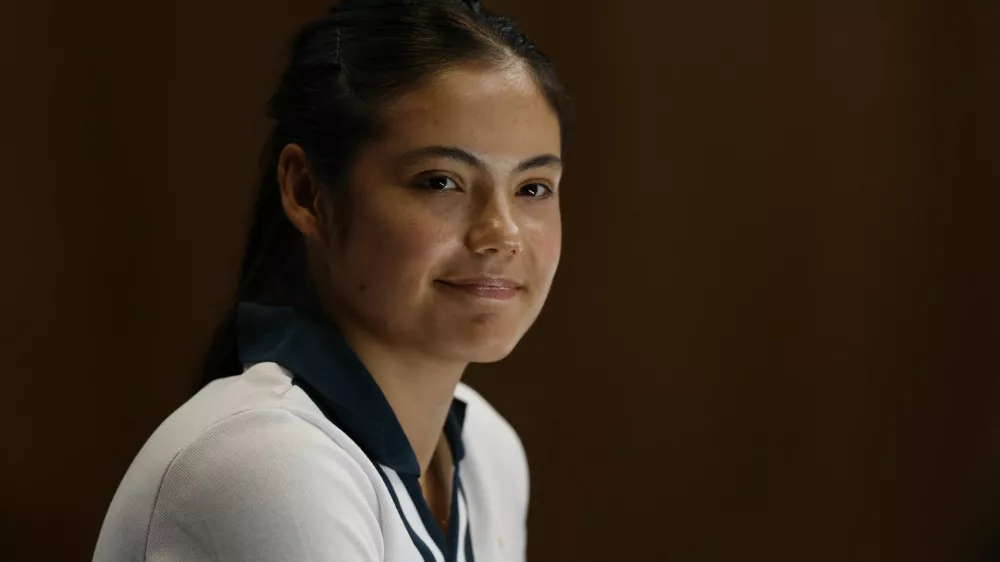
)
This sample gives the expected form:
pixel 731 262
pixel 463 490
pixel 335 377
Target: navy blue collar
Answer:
pixel 326 367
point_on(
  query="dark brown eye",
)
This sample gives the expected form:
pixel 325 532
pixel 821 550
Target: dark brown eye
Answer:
pixel 437 183
pixel 535 191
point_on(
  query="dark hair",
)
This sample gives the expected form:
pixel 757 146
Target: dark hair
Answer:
pixel 343 68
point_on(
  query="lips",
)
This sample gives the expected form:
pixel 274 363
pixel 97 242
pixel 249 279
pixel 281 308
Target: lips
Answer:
pixel 487 287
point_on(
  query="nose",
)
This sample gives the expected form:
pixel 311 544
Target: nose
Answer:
pixel 496 230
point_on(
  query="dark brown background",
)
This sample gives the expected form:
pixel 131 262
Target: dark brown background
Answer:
pixel 774 335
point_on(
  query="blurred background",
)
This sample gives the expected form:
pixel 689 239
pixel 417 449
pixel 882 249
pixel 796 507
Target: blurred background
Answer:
pixel 775 334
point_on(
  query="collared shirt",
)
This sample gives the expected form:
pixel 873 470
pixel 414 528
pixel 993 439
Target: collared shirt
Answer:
pixel 302 458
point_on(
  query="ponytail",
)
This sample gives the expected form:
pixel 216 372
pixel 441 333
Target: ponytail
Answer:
pixel 274 270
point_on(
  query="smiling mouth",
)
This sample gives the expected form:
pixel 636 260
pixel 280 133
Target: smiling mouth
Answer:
pixel 492 288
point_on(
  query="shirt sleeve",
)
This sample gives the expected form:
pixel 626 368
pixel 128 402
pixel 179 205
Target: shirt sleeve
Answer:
pixel 264 485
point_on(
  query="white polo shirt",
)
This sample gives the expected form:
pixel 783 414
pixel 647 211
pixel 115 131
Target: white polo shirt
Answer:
pixel 300 458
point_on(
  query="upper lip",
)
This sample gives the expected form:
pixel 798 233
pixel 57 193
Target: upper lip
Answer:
pixel 493 281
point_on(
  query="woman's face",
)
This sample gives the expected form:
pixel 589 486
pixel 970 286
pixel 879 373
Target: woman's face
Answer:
pixel 453 229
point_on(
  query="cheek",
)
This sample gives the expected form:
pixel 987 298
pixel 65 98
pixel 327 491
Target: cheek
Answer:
pixel 546 246
pixel 395 245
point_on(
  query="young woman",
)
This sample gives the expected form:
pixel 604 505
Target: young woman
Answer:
pixel 407 224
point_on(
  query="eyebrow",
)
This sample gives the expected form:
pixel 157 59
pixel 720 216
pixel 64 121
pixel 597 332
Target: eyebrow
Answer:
pixel 465 157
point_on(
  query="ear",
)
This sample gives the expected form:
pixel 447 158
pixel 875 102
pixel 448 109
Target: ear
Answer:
pixel 301 193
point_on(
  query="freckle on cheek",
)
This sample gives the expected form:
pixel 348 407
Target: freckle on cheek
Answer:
pixel 361 288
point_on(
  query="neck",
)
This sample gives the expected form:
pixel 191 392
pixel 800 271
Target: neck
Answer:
pixel 419 389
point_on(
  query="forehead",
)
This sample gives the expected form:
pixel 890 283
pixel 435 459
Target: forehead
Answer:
pixel 496 113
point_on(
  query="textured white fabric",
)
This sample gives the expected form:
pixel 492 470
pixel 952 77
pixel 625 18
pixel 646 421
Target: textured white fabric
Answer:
pixel 249 469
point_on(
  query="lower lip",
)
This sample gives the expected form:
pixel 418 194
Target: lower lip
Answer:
pixel 491 292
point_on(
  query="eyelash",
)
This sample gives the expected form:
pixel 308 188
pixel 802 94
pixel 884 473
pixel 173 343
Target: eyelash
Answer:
pixel 425 183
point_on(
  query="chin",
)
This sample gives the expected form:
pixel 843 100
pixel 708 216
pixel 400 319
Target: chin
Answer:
pixel 482 348
pixel 490 354
pixel 482 338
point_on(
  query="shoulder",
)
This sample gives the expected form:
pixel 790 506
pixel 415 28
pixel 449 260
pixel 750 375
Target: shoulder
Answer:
pixel 492 445
pixel 246 467
pixel 251 429
pixel 256 445
pixel 264 484
pixel 262 400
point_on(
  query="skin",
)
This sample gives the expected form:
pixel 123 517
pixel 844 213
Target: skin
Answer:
pixel 418 218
